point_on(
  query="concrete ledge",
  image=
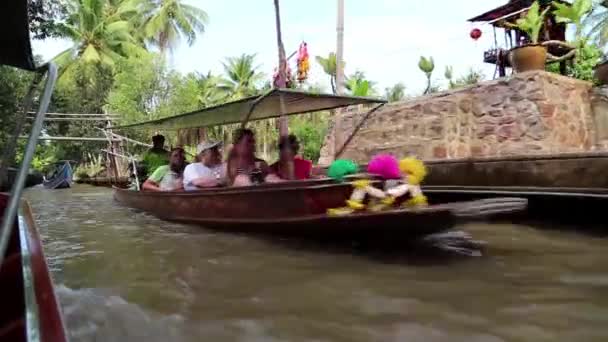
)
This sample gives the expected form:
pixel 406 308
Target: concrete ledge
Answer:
pixel 572 170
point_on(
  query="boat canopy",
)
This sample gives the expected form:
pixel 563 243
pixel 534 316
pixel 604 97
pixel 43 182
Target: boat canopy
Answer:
pixel 253 108
pixel 15 48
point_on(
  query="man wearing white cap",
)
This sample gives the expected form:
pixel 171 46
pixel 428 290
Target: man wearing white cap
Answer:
pixel 209 171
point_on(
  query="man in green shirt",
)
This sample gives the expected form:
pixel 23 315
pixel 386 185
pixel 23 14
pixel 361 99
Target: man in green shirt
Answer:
pixel 157 156
pixel 168 177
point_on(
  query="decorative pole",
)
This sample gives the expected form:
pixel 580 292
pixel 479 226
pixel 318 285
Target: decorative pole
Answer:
pixel 340 48
pixel 282 79
pixel 339 75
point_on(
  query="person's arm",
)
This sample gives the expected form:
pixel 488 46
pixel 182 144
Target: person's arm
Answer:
pixel 152 183
pixel 205 182
pixel 270 177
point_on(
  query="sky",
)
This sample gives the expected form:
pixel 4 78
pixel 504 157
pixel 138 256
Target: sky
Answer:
pixel 382 38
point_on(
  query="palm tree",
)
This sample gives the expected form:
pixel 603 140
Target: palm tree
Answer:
pixel 100 33
pixel 427 65
pixel 241 76
pixel 395 93
pixel 165 22
pixel 210 90
pixel 329 67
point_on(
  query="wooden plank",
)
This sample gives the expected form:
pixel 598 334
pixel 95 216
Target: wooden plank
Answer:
pixel 75 119
pixel 71 114
pixel 72 138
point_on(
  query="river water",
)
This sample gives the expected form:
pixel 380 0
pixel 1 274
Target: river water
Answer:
pixel 122 275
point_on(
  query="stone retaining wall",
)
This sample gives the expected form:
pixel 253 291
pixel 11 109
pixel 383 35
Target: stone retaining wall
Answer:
pixel 525 114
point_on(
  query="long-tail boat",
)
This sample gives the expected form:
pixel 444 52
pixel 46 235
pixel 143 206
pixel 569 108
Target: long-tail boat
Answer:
pixel 61 177
pixel 29 309
pixel 295 208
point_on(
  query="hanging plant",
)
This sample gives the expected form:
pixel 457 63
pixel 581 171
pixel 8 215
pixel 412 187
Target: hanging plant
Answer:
pixel 303 62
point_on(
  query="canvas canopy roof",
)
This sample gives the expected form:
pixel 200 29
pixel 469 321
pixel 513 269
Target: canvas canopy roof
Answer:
pixel 15 48
pixel 255 108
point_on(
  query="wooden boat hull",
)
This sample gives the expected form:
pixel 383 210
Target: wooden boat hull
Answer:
pixel 62 179
pixel 300 211
pixel 29 305
pixel 109 182
pixel 56 184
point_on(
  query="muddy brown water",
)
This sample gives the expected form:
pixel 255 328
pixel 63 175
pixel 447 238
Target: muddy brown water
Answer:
pixel 123 275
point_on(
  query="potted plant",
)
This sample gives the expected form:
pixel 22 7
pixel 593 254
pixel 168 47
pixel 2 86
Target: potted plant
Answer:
pixel 531 56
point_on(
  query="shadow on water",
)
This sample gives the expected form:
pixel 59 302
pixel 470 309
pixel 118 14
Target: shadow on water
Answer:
pixel 437 249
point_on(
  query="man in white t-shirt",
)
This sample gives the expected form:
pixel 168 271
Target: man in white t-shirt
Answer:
pixel 209 171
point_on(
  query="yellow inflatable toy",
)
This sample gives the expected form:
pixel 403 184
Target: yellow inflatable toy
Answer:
pixel 413 172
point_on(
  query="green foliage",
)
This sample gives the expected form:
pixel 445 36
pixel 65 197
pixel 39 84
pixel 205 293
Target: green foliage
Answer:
pixel 449 73
pixel 44 16
pixel 242 76
pixel 310 130
pixel 358 85
pixel 44 155
pixel 101 33
pixel 329 67
pixel 573 13
pixel 165 22
pixel 470 78
pixel 395 93
pixel 582 68
pixel 532 22
pixel 427 65
pixel 13 87
pixel 144 89
pixel 139 87
pixel 92 167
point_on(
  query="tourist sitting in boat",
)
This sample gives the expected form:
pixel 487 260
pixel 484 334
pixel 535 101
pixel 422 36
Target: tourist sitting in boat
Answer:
pixel 208 171
pixel 290 165
pixel 244 168
pixel 156 156
pixel 168 177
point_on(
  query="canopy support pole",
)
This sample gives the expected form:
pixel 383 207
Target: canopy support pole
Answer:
pixel 357 128
pixel 13 203
pixel 253 105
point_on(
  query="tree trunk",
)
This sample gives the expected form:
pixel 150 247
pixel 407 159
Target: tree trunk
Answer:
pixel 282 81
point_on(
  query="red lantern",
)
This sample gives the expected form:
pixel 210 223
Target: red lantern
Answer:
pixel 475 33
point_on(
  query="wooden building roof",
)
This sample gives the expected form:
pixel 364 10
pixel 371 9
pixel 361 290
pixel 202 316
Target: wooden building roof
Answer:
pixel 511 7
